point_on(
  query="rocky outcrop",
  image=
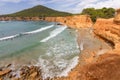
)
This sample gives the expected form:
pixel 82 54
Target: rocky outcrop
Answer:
pixel 78 21
pixel 108 30
pixel 4 72
pixel 51 19
pixel 25 73
pixel 106 69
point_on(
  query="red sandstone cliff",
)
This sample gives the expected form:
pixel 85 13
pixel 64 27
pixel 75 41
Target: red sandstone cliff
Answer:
pixel 109 29
pixel 78 21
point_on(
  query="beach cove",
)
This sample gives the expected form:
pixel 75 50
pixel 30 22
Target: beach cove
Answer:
pixel 77 49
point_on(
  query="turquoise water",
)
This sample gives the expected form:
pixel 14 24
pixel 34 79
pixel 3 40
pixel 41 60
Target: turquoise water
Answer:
pixel 40 43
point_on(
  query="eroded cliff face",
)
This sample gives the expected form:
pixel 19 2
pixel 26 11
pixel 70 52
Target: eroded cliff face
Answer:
pixel 78 21
pixel 108 30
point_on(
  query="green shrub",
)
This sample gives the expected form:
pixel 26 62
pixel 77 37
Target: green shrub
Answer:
pixel 99 13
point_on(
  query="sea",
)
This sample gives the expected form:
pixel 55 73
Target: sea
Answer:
pixel 52 47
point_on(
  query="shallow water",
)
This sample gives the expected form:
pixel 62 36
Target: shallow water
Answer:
pixel 44 44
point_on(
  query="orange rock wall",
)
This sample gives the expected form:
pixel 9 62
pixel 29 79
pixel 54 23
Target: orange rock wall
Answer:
pixel 106 28
pixel 78 21
pixel 109 29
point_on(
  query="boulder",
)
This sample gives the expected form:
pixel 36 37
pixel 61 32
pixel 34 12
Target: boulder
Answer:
pixel 4 72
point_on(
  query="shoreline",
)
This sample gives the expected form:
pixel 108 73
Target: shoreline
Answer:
pixel 85 57
pixel 75 21
pixel 95 63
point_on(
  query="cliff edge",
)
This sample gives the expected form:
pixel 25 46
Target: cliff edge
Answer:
pixel 76 22
pixel 109 30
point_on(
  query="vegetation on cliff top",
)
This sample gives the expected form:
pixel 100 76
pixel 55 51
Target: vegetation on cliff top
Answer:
pixel 42 11
pixel 99 13
pixel 38 11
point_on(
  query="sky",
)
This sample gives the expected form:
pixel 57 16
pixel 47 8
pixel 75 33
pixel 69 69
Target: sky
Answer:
pixel 72 6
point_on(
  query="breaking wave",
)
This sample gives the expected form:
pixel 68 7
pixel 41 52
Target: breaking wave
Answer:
pixel 26 33
pixel 54 33
pixel 57 67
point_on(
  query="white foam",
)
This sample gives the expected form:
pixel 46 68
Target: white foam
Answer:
pixel 60 57
pixel 56 67
pixel 54 33
pixel 8 37
pixel 72 64
pixel 81 46
pixel 39 30
pixel 26 33
pixel 3 21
